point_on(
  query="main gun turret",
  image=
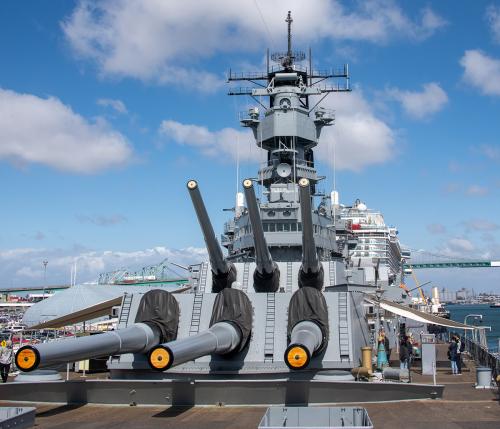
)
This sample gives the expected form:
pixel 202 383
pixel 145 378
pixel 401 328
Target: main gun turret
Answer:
pixel 311 271
pixel 223 271
pixel 266 276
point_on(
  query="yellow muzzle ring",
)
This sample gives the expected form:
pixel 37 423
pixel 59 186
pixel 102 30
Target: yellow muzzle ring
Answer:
pixel 297 356
pixel 160 358
pixel 27 358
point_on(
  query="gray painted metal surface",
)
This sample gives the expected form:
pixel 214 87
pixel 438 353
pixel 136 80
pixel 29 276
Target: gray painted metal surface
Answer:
pixel 17 417
pixel 315 418
pixel 190 391
pixel 308 334
pixel 136 338
pixel 265 352
pixel 220 338
pixel 428 354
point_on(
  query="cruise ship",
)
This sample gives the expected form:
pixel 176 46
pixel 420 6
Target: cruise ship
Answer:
pixel 373 245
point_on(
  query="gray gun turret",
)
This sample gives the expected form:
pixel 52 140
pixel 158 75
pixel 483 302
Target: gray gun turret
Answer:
pixel 311 271
pixel 229 331
pixel 223 271
pixel 156 321
pixel 307 327
pixel 266 276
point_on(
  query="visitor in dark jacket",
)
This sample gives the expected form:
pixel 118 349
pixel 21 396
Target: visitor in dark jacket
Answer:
pixel 452 355
pixel 460 349
pixel 404 353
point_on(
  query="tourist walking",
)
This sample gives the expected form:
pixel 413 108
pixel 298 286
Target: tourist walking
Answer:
pixel 5 360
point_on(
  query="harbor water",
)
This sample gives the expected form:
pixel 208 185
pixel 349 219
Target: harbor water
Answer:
pixel 491 317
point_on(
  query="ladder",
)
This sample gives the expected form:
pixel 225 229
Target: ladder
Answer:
pixel 125 310
pixel 289 276
pixel 203 277
pixel 269 332
pixel 344 345
pixel 194 328
pixel 246 272
pixel 331 270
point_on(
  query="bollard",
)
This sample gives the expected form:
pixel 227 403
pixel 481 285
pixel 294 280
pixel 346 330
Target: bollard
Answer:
pixel 366 358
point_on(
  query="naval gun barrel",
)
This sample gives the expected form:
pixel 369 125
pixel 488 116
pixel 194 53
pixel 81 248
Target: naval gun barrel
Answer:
pixel 138 338
pixel 229 330
pixel 306 339
pixel 156 321
pixel 266 274
pixel 221 338
pixel 223 271
pixel 311 271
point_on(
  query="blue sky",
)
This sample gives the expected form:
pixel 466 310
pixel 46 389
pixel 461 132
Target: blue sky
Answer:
pixel 108 108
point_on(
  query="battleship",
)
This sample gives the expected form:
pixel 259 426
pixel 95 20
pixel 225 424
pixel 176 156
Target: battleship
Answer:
pixel 282 318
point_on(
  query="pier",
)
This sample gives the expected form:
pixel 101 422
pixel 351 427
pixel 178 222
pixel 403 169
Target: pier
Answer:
pixel 462 406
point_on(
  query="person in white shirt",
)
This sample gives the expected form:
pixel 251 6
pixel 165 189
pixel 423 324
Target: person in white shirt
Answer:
pixel 5 360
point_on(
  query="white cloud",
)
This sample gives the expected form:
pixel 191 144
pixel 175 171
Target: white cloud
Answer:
pixel 436 228
pixel 460 245
pixel 480 225
pixel 215 144
pixel 166 41
pixel 490 151
pixel 476 191
pixel 46 131
pixel 102 220
pixel 481 71
pixel 24 266
pixel 451 188
pixel 493 18
pixel 421 104
pixel 117 105
pixel 358 131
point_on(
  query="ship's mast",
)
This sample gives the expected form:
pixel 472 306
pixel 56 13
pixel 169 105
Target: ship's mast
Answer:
pixel 291 126
pixel 289 59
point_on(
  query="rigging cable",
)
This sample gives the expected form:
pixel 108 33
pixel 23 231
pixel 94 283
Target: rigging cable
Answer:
pixel 265 25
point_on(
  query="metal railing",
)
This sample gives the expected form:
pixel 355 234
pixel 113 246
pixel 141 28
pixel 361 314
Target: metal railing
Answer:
pixel 482 356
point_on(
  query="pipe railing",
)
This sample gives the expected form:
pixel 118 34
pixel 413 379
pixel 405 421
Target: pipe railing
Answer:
pixel 482 356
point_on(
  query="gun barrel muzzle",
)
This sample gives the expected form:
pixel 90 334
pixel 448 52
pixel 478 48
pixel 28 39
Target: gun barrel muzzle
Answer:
pixel 221 338
pixel 306 339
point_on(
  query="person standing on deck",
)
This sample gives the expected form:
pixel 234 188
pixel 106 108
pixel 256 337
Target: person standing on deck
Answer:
pixel 383 338
pixel 452 355
pixel 5 360
pixel 404 353
pixel 460 349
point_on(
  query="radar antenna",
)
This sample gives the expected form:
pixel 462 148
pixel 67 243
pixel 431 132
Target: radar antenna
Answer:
pixel 286 59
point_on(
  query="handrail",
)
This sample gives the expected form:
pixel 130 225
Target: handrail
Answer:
pixel 482 356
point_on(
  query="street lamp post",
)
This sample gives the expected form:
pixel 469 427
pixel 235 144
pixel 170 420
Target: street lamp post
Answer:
pixel 475 316
pixel 45 262
pixel 378 294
